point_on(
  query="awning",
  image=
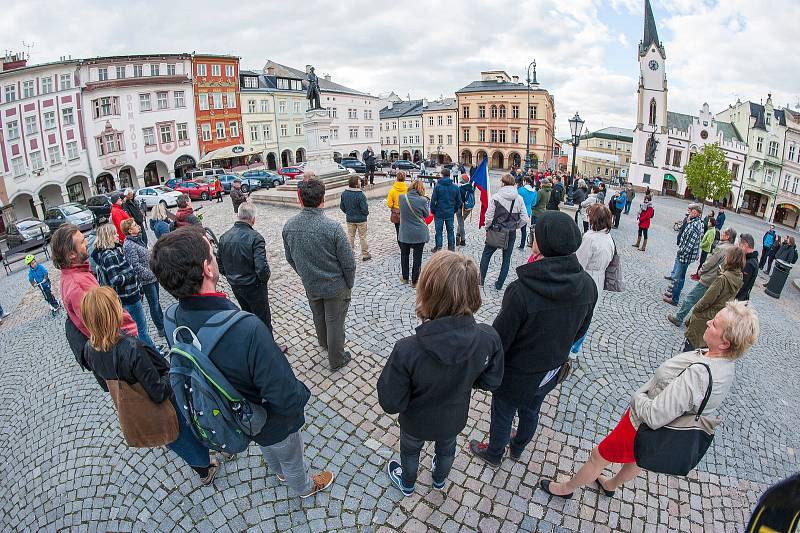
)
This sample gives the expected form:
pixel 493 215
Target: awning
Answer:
pixel 670 177
pixel 237 150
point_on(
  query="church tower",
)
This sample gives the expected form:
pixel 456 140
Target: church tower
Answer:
pixel 650 132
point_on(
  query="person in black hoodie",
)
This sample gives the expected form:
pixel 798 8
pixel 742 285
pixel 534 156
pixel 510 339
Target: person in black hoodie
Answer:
pixel 750 271
pixel 544 312
pixel 429 376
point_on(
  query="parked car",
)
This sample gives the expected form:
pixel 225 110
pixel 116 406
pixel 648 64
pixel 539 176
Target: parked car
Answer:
pixel 100 206
pixel 404 164
pixel 74 213
pixel 342 167
pixel 382 163
pixel 151 196
pixel 248 184
pixel 355 164
pixel 211 181
pixel 290 172
pixel 204 172
pixel 26 230
pixel 268 179
pixel 195 190
pixel 171 183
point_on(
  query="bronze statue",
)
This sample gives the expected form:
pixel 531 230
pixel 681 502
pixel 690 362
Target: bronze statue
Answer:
pixel 312 94
pixel 650 150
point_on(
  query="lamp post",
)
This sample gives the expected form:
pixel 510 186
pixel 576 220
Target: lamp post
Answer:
pixel 575 127
pixel 528 162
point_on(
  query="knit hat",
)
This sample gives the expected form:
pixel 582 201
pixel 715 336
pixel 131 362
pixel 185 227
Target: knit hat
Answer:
pixel 556 234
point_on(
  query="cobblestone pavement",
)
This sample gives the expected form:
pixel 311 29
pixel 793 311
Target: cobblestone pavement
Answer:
pixel 63 464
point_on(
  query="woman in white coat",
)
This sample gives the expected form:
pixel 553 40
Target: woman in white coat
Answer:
pixel 580 215
pixel 597 247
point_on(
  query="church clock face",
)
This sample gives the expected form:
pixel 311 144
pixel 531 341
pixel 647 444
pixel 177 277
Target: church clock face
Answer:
pixel 653 64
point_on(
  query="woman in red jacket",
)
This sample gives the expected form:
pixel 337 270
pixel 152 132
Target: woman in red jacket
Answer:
pixel 646 213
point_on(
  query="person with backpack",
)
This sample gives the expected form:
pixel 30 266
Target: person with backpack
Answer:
pixel 429 376
pixel 467 192
pixel 505 214
pixel 240 348
pixel 445 201
pixel 528 195
pixel 114 356
pixel 556 196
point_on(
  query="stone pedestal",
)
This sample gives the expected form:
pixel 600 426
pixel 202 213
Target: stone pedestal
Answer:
pixel 319 154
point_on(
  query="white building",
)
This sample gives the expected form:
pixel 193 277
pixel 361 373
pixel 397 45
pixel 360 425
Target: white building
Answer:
pixel 401 130
pixel 440 127
pixel 354 114
pixel 44 159
pixel 139 118
pixel 664 141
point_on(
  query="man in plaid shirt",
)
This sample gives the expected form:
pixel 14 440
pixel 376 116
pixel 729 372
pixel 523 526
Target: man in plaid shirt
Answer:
pixel 688 252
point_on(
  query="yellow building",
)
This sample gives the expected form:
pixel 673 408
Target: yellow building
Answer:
pixel 492 121
pixel 605 153
pixel 440 130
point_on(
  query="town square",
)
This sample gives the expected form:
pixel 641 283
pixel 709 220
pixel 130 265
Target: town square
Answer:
pixel 148 195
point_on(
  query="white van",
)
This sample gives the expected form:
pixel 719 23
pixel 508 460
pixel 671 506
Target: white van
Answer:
pixel 204 172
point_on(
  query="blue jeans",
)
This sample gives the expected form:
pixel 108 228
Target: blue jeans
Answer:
pixel 156 314
pixel 488 252
pixel 410 448
pixel 186 446
pixel 136 311
pixel 689 300
pixel 680 278
pixel 523 235
pixel 451 236
pixel 503 412
pixel 48 295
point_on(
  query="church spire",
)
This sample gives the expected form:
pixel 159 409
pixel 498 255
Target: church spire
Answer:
pixel 650 31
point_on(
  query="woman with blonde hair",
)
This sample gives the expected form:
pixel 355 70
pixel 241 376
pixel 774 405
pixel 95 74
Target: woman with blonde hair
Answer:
pixel 392 200
pixel 678 387
pixel 115 355
pixel 429 376
pixel 506 213
pixel 114 270
pixel 413 231
pixel 160 219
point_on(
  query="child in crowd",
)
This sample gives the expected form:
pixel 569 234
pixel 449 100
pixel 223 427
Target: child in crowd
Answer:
pixel 38 277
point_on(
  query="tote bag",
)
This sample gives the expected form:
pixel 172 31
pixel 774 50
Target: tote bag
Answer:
pixel 613 277
pixel 497 234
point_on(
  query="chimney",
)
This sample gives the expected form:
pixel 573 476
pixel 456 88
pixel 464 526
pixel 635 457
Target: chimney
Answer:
pixel 327 77
pixel 424 102
pixel 515 79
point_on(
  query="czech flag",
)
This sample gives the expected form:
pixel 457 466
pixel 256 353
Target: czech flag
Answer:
pixel 480 178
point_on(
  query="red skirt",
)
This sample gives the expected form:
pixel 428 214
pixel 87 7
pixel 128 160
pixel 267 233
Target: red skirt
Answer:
pixel 617 447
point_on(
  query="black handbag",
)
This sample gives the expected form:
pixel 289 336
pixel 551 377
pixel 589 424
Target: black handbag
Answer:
pixel 498 232
pixel 679 446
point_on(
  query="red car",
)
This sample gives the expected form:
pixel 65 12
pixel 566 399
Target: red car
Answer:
pixel 195 190
pixel 290 172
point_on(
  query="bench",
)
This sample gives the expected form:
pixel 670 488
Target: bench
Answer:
pixel 18 253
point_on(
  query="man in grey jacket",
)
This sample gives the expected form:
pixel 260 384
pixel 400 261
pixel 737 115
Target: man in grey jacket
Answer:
pixel 317 248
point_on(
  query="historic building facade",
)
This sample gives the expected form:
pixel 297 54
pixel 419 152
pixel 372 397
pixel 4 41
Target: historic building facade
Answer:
pixel 440 130
pixel 44 159
pixel 605 153
pixel 139 119
pixel 217 108
pixel 492 122
pixel 787 204
pixel 401 130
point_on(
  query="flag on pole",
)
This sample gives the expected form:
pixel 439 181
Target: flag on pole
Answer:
pixel 480 178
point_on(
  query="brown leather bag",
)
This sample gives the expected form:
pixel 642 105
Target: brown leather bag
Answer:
pixel 394 217
pixel 144 423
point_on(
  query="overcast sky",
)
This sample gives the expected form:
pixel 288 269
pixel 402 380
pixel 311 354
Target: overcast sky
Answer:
pixel 585 49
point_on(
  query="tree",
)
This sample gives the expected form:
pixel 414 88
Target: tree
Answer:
pixel 707 174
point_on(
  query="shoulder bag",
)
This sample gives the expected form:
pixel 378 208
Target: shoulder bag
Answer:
pixel 497 234
pixel 425 221
pixel 613 277
pixel 394 216
pixel 144 423
pixel 679 446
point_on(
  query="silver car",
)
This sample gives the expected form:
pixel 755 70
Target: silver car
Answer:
pixel 74 213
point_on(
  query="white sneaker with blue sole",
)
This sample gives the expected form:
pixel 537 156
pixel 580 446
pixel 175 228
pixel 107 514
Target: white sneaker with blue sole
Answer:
pixel 395 472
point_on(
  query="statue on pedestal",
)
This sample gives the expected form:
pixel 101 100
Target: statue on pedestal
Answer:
pixel 650 150
pixel 312 93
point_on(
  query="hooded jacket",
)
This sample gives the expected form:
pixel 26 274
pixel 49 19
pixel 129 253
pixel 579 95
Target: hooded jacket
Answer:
pixel 721 291
pixel 749 276
pixel 446 199
pixel 353 204
pixel 398 188
pixel 429 376
pixel 543 313
pixel 118 214
pixel 646 215
pixel 528 195
pixel 542 199
pixel 788 253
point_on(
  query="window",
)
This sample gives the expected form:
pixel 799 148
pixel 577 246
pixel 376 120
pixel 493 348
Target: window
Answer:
pixel 404 124
pixel 54 155
pixel 216 70
pixel 652 117
pixel 254 132
pixel 296 106
pixel 205 130
pixel 769 121
pixel 283 83
pixel 773 148
pixel 430 139
pixel 405 140
pixel 481 111
pixel 353 133
pixel 449 139
pixel 102 74
pixel 368 114
pixel 333 113
pixel 493 113
pixel 217 97
pixel 251 106
pixel 502 136
pixel 18 166
pixel 735 171
pixel 481 135
pixel 180 99
pixel 394 140
pixel 668 159
pixel 515 136
pixel 162 99
pixel 449 120
pixel 266 132
pixel 11 93
pixel 183 131
pixel 676 159
pixel 203 98
pixel 220 127
pixel 109 143
pixel 285 130
pixel 502 111
pixel 795 183
pixel 65 81
pixel 768 175
pixel 229 70
pixel 250 82
pixel 234 127
pixel 47 85
pixel 265 106
pixel 532 136
pixel 230 98
pixel 440 120
pixel 49 118
pixel 532 111
pixel 36 161
pixel 646 178
pixel 352 113
pixel 165 131
pixel 791 152
pixel 27 89
pixel 368 132
pixel 786 178
pixel 201 71
pixel 394 126
pixel 334 133
pixel 298 128
pixel 144 102
pixel 493 136
pixel 760 144
pixel 120 73
pixel 149 136
pixel 13 129
pixel 282 107
pixel 171 69
pixel 416 139
pixel 514 111
pixel 441 139
pixel 154 69
pixel 30 125
pixel 430 121
pixel 416 124
pixel 72 150
pixel 465 111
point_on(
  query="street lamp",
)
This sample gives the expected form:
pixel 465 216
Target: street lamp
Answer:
pixel 575 127
pixel 528 162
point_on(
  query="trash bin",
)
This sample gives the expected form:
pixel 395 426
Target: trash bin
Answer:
pixel 778 279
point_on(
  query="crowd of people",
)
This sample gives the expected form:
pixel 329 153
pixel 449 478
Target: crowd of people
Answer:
pixel 428 378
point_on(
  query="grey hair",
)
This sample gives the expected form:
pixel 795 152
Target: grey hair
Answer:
pixel 731 234
pixel 247 212
pixel 308 174
pixel 128 191
pixel 747 239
